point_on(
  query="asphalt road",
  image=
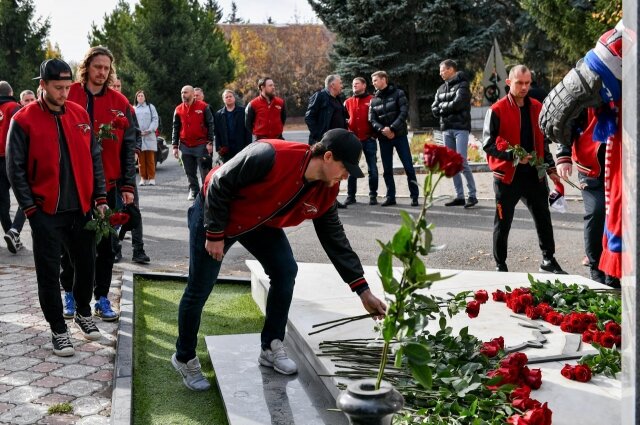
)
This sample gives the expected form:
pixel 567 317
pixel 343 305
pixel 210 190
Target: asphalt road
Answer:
pixel 467 234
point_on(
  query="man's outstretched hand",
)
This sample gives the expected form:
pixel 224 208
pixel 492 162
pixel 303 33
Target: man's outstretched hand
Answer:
pixel 373 304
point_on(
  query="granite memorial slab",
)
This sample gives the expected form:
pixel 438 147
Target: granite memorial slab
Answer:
pixel 320 296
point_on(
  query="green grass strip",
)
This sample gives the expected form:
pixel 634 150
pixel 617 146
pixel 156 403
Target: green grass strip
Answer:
pixel 159 397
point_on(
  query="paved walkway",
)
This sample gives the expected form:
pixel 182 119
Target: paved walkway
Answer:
pixel 32 378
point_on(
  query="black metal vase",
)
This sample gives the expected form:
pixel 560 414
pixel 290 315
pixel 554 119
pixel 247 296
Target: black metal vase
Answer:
pixel 364 405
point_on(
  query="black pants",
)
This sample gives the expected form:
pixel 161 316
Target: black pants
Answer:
pixel 594 216
pixel 51 235
pixel 535 195
pixel 137 242
pixel 5 202
pixel 191 164
pixel 103 261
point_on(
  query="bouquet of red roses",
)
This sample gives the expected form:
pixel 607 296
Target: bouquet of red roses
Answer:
pixel 104 225
pixel 520 153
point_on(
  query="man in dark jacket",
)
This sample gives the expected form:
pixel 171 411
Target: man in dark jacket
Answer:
pixel 230 133
pixel 452 105
pixel 388 113
pixel 57 185
pixel 8 107
pixel 270 185
pixel 513 121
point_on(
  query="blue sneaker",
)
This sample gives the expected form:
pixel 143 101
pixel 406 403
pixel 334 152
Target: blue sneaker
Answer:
pixel 103 310
pixel 69 308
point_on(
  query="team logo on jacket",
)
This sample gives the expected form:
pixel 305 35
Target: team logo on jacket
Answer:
pixel 84 127
pixel 309 209
pixel 1 116
pixel 117 113
pixel 199 111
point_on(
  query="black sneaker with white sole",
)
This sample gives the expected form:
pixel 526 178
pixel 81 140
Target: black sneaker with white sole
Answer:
pixel 12 238
pixel 88 328
pixel 62 345
pixel 551 266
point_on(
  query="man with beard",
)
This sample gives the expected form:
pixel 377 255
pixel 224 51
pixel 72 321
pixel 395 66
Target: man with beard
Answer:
pixel 266 114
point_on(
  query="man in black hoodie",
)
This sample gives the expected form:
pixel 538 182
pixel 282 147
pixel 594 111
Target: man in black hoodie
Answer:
pixel 453 106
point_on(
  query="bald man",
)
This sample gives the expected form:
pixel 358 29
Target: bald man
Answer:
pixel 193 137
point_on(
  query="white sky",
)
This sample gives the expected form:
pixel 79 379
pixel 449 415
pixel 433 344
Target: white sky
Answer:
pixel 71 19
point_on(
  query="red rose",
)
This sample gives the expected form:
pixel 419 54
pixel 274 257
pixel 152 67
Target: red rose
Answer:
pixel 566 326
pixel 607 340
pixel 538 416
pixel 532 377
pixel 618 341
pixel 118 219
pixel 526 299
pixel 525 403
pixel 590 318
pixel 454 164
pixel 544 308
pixel 442 159
pixel 554 318
pixel 531 312
pixel 582 373
pixel 120 122
pixel 568 372
pixel 587 336
pixel 516 359
pixel 473 309
pixel 491 348
pixel 521 392
pixel 593 327
pixel 499 296
pixel 613 328
pixel 501 144
pixel 481 296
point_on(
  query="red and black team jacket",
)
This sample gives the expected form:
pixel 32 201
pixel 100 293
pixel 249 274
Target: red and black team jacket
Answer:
pixel 358 110
pixel 583 150
pixel 263 186
pixel 266 119
pixel 8 107
pixel 192 124
pixel 33 157
pixel 502 123
pixel 118 158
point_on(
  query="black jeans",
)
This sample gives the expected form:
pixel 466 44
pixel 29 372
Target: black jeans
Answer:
pixel 269 246
pixel 370 150
pixel 594 216
pixel 191 164
pixel 5 203
pixel 51 234
pixel 535 194
pixel 103 254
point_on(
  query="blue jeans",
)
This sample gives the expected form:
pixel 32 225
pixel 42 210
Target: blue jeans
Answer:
pixel 370 150
pixel 269 246
pixel 458 140
pixel 401 144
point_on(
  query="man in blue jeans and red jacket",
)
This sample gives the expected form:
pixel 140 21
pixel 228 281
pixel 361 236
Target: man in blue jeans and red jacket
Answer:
pixel 269 185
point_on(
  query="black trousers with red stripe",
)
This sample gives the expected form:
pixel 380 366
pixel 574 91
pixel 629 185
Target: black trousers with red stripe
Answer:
pixel 535 195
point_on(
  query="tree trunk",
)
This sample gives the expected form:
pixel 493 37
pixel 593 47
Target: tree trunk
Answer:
pixel 414 112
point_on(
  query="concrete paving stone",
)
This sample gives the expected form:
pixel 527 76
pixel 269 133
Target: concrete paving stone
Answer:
pixel 78 388
pixel 35 329
pixel 89 347
pixel 76 358
pixel 38 340
pixel 22 377
pixel 23 394
pixel 34 310
pixel 42 353
pixel 13 300
pixel 96 360
pixel 19 363
pixel 5 406
pixel 50 381
pixel 17 349
pixel 16 337
pixel 103 375
pixel 5 388
pixel 87 406
pixel 45 367
pixel 31 318
pixel 54 398
pixel 12 308
pixel 24 414
pixel 74 371
pixel 94 420
pixel 64 419
pixel 9 327
pixel 9 294
pixel 106 351
pixel 4 372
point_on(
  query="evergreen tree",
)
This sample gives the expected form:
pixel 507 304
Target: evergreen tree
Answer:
pixel 409 39
pixel 24 43
pixel 233 15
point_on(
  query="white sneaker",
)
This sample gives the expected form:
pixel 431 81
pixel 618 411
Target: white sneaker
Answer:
pixel 277 358
pixel 191 196
pixel 151 182
pixel 143 182
pixel 191 373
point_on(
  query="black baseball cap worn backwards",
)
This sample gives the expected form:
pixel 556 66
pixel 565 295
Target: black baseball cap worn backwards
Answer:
pixel 54 69
pixel 346 148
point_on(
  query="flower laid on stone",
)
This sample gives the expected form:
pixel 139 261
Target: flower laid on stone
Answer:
pixel 493 347
pixel 481 296
pixel 536 416
pixel 580 373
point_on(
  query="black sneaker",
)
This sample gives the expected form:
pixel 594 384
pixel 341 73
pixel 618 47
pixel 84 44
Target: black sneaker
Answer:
pixel 414 202
pixel 458 202
pixel 12 238
pixel 140 257
pixel 350 200
pixel 501 267
pixel 87 327
pixel 117 257
pixel 597 275
pixel 551 266
pixel 471 202
pixel 340 205
pixel 373 200
pixel 388 202
pixel 62 345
